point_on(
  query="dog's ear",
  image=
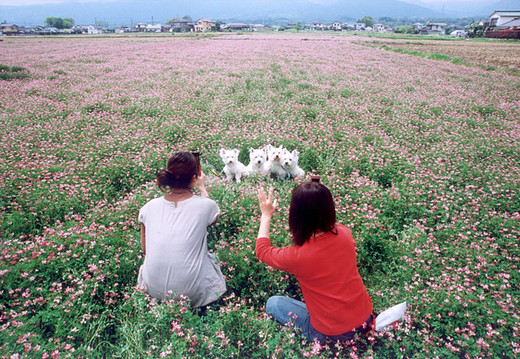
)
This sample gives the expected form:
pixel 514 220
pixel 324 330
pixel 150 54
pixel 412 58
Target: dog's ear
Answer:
pixel 295 153
pixel 235 151
pixel 251 150
pixel 222 152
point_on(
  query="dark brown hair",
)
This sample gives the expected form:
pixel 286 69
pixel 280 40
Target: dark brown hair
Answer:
pixel 179 172
pixel 312 209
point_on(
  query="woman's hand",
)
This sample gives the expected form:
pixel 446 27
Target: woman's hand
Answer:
pixel 267 205
pixel 200 182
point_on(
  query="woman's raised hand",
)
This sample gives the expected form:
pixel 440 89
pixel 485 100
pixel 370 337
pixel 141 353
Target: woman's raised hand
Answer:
pixel 201 183
pixel 267 205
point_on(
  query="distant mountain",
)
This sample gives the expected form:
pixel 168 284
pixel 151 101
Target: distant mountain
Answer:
pixel 129 12
pixel 482 8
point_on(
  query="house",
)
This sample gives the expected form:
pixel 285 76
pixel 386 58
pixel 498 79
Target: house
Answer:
pixel 317 26
pixel 50 31
pixel 433 28
pixel 203 25
pixel 260 27
pixel 359 26
pixel 336 26
pixel 154 28
pixel 504 25
pixel 504 19
pixel 381 28
pixel 30 30
pixel 9 29
pixel 180 25
pixel 417 27
pixel 122 29
pixel 140 26
pixel 236 26
pixel 80 29
pixel 94 30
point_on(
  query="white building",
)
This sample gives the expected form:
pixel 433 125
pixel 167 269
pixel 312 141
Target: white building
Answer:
pixel 153 28
pixel 94 30
pixel 434 28
pixel 381 28
pixel 504 19
pixel 336 26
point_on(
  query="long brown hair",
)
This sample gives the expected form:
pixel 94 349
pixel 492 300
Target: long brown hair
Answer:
pixel 179 172
pixel 312 209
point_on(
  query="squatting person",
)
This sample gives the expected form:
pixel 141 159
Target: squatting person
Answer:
pixel 323 260
pixel 174 236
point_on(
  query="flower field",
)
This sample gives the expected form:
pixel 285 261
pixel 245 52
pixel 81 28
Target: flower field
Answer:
pixel 422 157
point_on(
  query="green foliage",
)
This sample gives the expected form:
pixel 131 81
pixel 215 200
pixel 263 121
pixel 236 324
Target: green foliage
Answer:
pixel 404 29
pixel 367 20
pixel 59 23
pixel 68 23
pixel 375 253
pixel 424 175
pixel 13 72
pixel 475 31
pixel 218 25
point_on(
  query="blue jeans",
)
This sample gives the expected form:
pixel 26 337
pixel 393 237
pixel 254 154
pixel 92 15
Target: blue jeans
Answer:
pixel 287 310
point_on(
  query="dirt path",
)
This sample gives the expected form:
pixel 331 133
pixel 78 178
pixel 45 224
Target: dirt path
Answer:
pixel 505 55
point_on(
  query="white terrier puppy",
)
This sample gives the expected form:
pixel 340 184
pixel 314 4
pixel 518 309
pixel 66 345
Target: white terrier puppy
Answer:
pixel 290 164
pixel 273 165
pixel 233 168
pixel 257 159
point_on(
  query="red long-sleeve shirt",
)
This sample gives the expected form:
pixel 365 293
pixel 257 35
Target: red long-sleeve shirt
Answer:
pixel 326 269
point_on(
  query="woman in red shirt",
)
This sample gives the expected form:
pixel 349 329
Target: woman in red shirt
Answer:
pixel 323 260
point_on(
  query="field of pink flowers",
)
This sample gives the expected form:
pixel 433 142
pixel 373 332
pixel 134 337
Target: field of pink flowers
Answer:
pixel 422 157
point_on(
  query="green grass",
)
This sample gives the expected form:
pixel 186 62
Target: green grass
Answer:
pixel 13 73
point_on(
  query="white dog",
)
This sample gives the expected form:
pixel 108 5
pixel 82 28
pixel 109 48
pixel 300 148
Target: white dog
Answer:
pixel 273 165
pixel 257 159
pixel 290 164
pixel 233 168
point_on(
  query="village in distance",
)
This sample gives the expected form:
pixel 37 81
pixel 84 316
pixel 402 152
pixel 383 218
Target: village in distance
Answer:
pixel 500 24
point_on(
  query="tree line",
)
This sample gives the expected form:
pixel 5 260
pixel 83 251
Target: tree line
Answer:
pixel 59 23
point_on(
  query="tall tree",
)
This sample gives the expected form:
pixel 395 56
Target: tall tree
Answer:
pixel 52 21
pixel 59 23
pixel 367 20
pixel 68 23
pixel 218 25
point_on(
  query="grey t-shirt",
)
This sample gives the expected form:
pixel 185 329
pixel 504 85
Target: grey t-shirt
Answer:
pixel 177 260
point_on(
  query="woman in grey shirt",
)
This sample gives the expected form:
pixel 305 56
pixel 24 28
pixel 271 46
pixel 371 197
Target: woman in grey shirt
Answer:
pixel 174 236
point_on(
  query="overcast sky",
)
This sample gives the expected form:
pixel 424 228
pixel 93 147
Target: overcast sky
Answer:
pixel 36 2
